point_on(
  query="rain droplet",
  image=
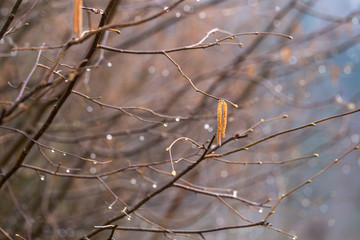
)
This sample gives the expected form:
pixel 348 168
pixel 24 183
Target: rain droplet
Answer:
pixel 322 69
pixel 89 109
pixel 68 170
pixel 151 69
pixel 278 88
pixel 165 73
pixel 355 20
pixel 210 129
pixel 235 193
pixel 166 9
pixel 133 181
pixel 109 137
pixel 129 218
pixel 64 154
pixel 277 8
pixel 52 150
pixel 95 162
pixel 165 124
pixel 142 138
pixel 42 178
pixel 277 23
pixel 202 15
pixel 355 138
pixel 347 69
pixel 331 222
pixel 110 206
pixel 178 14
pixel 206 126
pixel 109 64
pixel 92 170
pixel 177 119
pixel 346 169
pixel 154 185
pixel 88 69
pixel 93 155
pixel 261 210
pixel 188 8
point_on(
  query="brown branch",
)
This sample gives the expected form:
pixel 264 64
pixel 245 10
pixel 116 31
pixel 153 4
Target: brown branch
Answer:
pixel 10 18
pixel 154 193
pixel 200 231
pixel 224 195
pixel 272 211
pixel 63 98
pixel 312 124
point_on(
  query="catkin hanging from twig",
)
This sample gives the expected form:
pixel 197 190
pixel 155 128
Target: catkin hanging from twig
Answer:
pixel 221 120
pixel 77 18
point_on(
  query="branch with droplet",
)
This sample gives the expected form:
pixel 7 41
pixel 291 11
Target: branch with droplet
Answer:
pixel 193 85
pixel 168 149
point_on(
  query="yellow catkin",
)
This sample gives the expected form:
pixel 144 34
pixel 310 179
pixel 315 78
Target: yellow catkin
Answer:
pixel 77 18
pixel 221 120
pixel 219 123
pixel 224 118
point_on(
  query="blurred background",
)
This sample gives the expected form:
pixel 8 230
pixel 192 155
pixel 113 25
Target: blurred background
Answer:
pixel 313 76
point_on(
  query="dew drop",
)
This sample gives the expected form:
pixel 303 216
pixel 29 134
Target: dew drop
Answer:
pixel 92 170
pixel 355 20
pixel 210 129
pixel 42 178
pixel 178 14
pixel 93 155
pixel 52 150
pixel 154 185
pixel 261 210
pixel 64 154
pixel 277 8
pixel 142 138
pixel 347 69
pixel 166 9
pixel 151 69
pixel 88 69
pixel 66 80
pixel 322 69
pixel 331 222
pixel 188 8
pixel 165 124
pixel 346 169
pixel 109 137
pixel 202 15
pixel 89 109
pixel 235 193
pixel 129 218
pixel 177 119
pixel 165 73
pixel 206 126
pixel 224 173
pixel 276 23
pixel 109 64
pixel 68 170
pixel 133 181
pixel 278 88
pixel 110 207
pixel 95 162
